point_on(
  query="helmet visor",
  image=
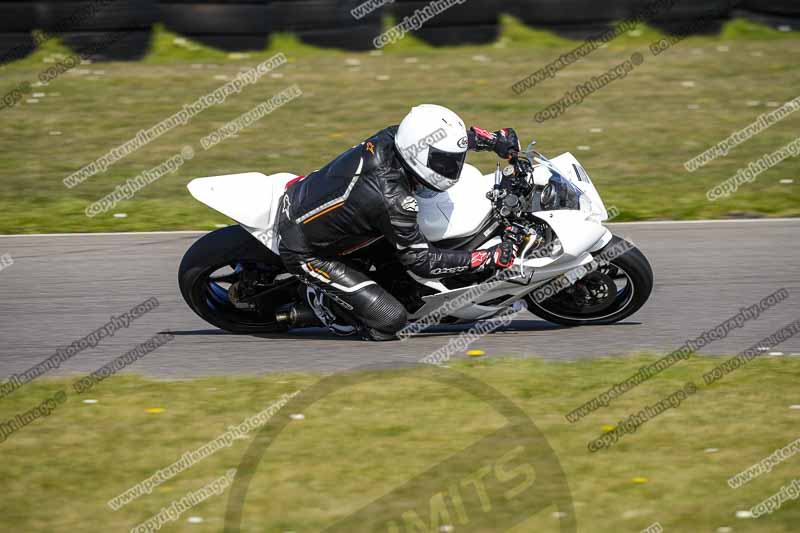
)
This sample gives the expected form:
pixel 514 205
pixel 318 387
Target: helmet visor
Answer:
pixel 448 164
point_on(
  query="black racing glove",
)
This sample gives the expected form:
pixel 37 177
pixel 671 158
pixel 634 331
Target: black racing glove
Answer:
pixel 507 142
pixel 499 256
pixel 503 142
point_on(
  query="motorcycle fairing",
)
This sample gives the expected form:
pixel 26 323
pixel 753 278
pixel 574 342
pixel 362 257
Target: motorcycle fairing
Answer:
pixel 458 211
pixel 251 199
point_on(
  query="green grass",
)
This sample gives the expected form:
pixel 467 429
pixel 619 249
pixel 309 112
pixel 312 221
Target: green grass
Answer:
pixel 363 441
pixel 636 161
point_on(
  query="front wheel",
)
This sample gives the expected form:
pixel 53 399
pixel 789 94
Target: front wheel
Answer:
pixel 610 293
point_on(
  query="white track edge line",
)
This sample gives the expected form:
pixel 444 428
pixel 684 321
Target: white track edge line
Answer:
pixel 198 232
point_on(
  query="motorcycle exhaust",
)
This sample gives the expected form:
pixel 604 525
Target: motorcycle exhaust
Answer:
pixel 298 316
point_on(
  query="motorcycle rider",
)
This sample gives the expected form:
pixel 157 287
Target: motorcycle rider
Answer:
pixel 367 193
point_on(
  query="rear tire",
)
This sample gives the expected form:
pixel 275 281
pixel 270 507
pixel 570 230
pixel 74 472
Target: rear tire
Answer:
pixel 632 265
pixel 230 246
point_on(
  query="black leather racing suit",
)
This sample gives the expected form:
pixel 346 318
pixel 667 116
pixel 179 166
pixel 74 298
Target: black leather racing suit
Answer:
pixel 363 195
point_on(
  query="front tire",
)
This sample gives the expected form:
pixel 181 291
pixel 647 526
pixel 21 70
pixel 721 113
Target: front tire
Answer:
pixel 206 290
pixel 605 296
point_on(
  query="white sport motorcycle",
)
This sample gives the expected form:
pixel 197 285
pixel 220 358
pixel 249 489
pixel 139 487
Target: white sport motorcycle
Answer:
pixel 570 270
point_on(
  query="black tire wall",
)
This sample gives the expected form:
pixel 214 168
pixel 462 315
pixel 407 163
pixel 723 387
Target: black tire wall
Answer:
pixel 687 16
pixel 790 8
pixel 228 25
pixel 327 23
pixel 17 20
pixel 581 19
pixel 115 30
pixel 121 29
pixel 473 22
pixel 780 14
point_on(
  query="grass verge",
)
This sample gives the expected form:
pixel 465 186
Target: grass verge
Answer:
pixel 633 136
pixel 363 441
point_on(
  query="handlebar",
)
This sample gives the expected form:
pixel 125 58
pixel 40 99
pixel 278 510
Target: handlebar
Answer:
pixel 522 166
pixel 509 197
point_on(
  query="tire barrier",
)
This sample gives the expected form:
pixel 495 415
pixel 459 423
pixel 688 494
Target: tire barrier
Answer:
pixel 572 19
pixel 682 16
pixel 101 29
pixel 581 19
pixel 473 22
pixel 230 26
pixel 778 22
pixel 458 35
pixel 783 15
pixel 17 19
pixel 327 23
pixel 122 29
pixel 788 8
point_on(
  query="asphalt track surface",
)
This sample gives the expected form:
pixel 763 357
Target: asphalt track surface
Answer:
pixel 61 288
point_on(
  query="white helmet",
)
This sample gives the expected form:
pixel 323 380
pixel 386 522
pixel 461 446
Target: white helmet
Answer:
pixel 432 140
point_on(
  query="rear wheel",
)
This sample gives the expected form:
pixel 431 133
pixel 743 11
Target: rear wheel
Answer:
pixel 235 283
pixel 609 294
